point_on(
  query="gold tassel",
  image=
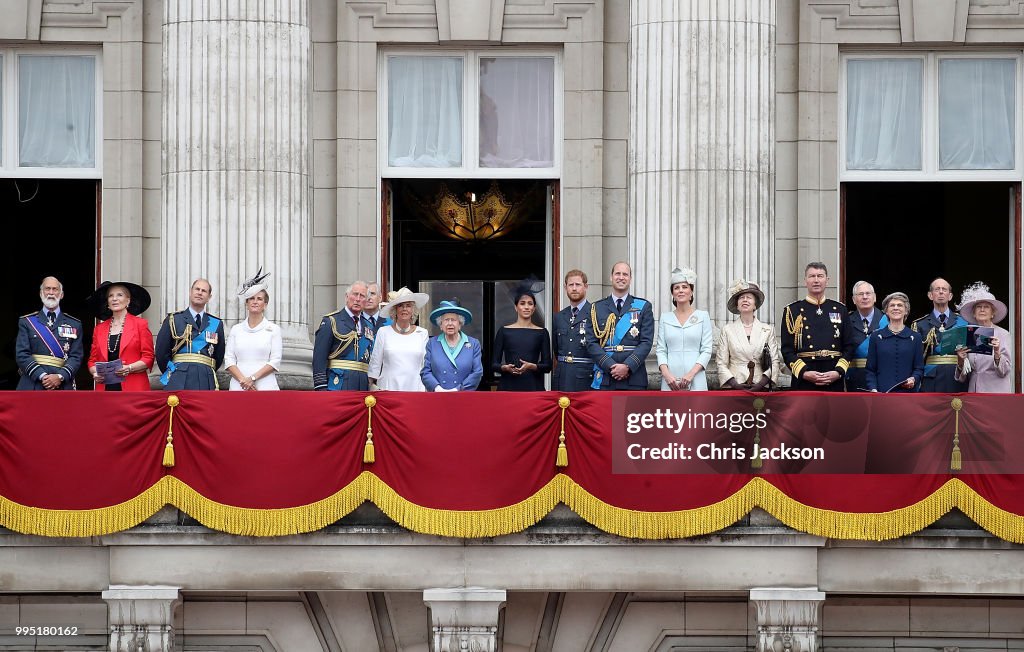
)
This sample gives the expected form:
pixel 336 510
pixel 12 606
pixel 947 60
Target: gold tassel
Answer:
pixel 172 402
pixel 368 455
pixel 955 463
pixel 755 460
pixel 562 458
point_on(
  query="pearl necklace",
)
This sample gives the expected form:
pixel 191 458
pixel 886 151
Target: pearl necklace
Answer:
pixel 404 331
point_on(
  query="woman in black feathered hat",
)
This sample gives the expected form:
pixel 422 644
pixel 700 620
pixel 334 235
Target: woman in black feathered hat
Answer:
pixel 124 337
pixel 522 350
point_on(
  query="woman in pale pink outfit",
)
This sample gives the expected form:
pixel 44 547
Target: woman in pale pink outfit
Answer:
pixel 985 373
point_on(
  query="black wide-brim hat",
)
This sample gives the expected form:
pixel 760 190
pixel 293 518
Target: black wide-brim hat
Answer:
pixel 139 303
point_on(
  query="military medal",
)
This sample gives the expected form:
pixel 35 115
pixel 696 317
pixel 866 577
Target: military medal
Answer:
pixel 582 330
pixel 819 311
pixel 67 347
pixel 634 317
pixel 634 331
pixel 211 337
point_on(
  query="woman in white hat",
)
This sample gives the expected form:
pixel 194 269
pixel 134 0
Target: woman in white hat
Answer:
pixel 984 372
pixel 684 337
pixel 253 352
pixel 748 353
pixel 399 347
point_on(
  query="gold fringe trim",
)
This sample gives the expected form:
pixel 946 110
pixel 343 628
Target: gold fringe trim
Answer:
pixel 758 492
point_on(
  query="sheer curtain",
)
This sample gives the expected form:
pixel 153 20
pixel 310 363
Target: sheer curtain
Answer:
pixel 883 114
pixel 425 112
pixel 976 114
pixel 57 111
pixel 517 125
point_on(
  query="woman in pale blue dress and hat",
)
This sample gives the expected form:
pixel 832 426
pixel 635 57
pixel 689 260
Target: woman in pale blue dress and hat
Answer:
pixel 684 337
pixel 453 362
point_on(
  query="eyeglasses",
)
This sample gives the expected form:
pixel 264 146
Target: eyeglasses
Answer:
pixel 864 294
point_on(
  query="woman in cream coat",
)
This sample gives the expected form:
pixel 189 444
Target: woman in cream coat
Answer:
pixel 741 344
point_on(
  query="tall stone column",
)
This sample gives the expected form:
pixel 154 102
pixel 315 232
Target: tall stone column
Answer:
pixel 141 617
pixel 702 147
pixel 236 159
pixel 788 620
pixel 464 619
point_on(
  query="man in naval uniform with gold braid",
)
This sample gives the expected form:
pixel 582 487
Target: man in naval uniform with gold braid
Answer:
pixel 814 336
pixel 342 345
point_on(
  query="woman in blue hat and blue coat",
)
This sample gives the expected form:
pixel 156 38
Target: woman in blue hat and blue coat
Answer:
pixel 453 361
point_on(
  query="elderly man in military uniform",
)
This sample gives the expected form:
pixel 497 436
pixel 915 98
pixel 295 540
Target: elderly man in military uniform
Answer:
pixel 621 335
pixel 815 336
pixel 574 370
pixel 863 321
pixel 342 345
pixel 190 344
pixel 939 369
pixel 49 347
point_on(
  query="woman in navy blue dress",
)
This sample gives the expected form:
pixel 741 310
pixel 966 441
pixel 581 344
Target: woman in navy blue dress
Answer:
pixel 895 355
pixel 522 351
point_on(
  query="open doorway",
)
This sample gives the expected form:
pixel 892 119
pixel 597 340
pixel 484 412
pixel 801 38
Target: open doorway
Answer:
pixel 900 236
pixel 50 227
pixel 434 249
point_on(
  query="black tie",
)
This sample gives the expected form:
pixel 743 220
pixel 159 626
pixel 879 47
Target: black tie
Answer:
pixel 355 321
pixel 942 319
pixel 50 318
pixel 618 305
pixel 575 311
pixel 199 321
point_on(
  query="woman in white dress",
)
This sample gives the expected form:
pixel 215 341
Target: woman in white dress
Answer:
pixel 253 352
pixel 748 353
pixel 399 347
pixel 684 338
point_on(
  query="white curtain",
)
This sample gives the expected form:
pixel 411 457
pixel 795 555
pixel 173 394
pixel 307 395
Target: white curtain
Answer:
pixel 425 112
pixel 517 102
pixel 976 114
pixel 57 111
pixel 883 114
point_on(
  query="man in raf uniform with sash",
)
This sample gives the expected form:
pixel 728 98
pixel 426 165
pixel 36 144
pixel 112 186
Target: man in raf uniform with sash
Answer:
pixel 342 345
pixel 939 369
pixel 190 344
pixel 574 371
pixel 621 335
pixel 49 348
pixel 863 321
pixel 815 336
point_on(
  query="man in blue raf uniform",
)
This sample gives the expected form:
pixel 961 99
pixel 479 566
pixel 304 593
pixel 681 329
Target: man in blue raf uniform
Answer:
pixel 815 336
pixel 621 335
pixel 49 347
pixel 939 369
pixel 190 344
pixel 574 370
pixel 342 345
pixel 863 321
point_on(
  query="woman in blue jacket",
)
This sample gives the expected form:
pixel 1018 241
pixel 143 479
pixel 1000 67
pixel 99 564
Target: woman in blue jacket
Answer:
pixel 895 355
pixel 453 361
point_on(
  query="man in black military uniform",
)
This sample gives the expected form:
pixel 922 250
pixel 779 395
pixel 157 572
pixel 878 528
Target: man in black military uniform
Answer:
pixel 939 370
pixel 190 344
pixel 621 335
pixel 49 347
pixel 863 321
pixel 814 336
pixel 574 370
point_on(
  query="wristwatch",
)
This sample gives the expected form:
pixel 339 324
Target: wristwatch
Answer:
pixel 252 379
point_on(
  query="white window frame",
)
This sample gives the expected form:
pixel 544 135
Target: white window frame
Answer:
pixel 470 168
pixel 9 168
pixel 930 170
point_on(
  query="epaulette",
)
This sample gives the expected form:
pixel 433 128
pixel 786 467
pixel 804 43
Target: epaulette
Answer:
pixel 71 317
pixel 210 314
pixel 29 315
pixel 333 313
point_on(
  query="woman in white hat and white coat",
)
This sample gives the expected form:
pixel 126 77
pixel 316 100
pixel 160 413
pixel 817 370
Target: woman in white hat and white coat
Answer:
pixel 748 353
pixel 399 347
pixel 253 352
pixel 985 373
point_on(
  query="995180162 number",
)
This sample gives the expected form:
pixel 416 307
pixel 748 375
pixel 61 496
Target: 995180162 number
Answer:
pixel 46 630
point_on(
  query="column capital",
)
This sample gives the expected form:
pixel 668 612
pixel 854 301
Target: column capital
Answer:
pixel 788 620
pixel 465 619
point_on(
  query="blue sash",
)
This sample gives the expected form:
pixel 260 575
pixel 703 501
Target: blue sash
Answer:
pixel 622 327
pixel 862 349
pixel 196 346
pixel 47 336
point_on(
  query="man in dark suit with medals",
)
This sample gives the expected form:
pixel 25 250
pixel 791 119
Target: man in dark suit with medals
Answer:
pixel 621 335
pixel 815 336
pixel 574 370
pixel 190 344
pixel 342 345
pixel 863 321
pixel 49 347
pixel 939 369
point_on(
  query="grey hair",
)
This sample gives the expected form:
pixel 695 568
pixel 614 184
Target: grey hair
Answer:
pixel 461 318
pixel 860 283
pixel 896 295
pixel 348 290
pixel 59 284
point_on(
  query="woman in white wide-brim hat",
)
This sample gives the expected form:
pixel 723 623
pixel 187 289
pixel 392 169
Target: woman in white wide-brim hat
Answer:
pixel 748 353
pixel 253 352
pixel 984 372
pixel 399 347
